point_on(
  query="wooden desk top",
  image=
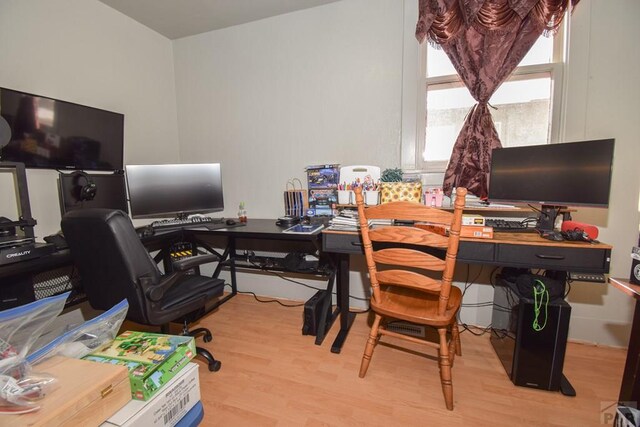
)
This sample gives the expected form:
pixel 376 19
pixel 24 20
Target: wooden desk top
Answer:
pixel 626 287
pixel 528 239
pixel 534 239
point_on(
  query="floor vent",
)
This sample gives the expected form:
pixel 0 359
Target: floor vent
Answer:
pixel 407 328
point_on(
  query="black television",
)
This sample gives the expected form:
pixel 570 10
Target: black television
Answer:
pixel 110 192
pixel 174 190
pixel 49 133
pixel 553 175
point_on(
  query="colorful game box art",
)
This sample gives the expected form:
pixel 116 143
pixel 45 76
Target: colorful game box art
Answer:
pixel 323 184
pixel 152 359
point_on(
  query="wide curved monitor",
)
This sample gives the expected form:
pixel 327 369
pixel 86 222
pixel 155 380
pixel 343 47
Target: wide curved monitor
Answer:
pixel 174 190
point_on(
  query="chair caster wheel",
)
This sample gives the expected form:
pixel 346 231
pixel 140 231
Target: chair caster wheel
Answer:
pixel 207 337
pixel 215 366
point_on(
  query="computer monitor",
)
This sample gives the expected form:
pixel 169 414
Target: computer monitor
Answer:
pixel 110 191
pixel 176 190
pixel 553 175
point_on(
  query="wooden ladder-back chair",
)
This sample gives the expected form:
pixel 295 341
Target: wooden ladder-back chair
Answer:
pixel 400 290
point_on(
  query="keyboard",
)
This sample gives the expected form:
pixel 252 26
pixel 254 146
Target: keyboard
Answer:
pixel 508 226
pixel 195 221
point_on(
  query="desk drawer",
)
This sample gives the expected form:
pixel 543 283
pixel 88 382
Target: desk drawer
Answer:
pixel 342 243
pixel 476 252
pixel 559 258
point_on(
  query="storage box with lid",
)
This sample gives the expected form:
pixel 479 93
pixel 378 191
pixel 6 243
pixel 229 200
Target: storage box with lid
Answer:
pixel 86 394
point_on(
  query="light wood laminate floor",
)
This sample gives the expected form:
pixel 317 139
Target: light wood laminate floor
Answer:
pixel 272 375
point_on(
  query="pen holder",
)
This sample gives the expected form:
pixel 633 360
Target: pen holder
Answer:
pixel 345 197
pixel 371 197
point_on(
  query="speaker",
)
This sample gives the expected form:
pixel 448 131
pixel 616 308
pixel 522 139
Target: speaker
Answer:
pixel 532 356
pixel 590 230
pixel 84 188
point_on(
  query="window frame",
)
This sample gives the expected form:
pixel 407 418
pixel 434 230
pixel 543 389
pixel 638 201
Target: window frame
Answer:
pixel 414 145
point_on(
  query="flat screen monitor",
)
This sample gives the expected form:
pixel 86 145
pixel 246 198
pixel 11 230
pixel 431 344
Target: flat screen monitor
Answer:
pixel 176 190
pixel 111 192
pixel 553 175
pixel 53 134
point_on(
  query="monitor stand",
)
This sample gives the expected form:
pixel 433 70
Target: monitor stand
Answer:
pixel 547 218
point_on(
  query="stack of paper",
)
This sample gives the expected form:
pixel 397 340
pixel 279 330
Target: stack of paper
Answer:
pixel 344 222
pixel 348 221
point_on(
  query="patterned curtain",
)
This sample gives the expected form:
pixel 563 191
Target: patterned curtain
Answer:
pixel 485 41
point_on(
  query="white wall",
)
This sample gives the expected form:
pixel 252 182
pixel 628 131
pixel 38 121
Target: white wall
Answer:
pixel 269 98
pixel 85 52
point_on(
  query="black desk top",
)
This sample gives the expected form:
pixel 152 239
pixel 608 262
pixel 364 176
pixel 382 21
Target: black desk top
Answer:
pixel 255 229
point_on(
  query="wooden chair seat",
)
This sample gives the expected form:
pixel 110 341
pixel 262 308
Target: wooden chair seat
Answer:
pixel 416 306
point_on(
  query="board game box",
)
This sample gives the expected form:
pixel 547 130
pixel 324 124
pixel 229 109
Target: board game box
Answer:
pixel 152 359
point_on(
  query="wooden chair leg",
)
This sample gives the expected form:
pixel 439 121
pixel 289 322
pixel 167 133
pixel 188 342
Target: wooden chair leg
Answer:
pixel 452 346
pixel 455 336
pixel 371 343
pixel 445 369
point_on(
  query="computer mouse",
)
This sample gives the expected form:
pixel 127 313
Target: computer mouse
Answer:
pixel 231 221
pixel 552 235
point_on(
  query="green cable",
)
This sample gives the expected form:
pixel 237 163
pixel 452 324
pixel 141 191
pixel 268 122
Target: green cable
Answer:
pixel 538 300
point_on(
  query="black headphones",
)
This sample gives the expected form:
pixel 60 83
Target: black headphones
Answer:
pixel 83 187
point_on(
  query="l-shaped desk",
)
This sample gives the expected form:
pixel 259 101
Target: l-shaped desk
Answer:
pixel 524 250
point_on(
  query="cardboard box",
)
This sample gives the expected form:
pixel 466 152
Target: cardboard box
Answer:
pixel 166 408
pixel 322 181
pixel 86 394
pixel 475 231
pixel 152 359
pixel 472 220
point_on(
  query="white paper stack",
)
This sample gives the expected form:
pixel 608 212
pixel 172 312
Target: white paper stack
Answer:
pixel 348 221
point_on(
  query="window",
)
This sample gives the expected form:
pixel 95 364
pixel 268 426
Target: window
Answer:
pixel 526 108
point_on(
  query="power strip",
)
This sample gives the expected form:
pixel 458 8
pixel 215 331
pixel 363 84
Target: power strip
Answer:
pixel 588 277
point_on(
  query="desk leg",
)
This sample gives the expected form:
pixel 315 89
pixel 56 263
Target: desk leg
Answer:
pixel 630 389
pixel 326 316
pixel 228 254
pixel 346 318
pixel 232 265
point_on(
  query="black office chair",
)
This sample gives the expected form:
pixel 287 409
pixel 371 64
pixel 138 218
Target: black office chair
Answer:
pixel 113 264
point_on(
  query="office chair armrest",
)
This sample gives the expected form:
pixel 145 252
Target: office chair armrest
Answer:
pixel 155 292
pixel 194 261
pixel 180 267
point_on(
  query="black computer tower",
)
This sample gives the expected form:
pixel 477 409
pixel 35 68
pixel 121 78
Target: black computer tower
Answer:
pixel 531 358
